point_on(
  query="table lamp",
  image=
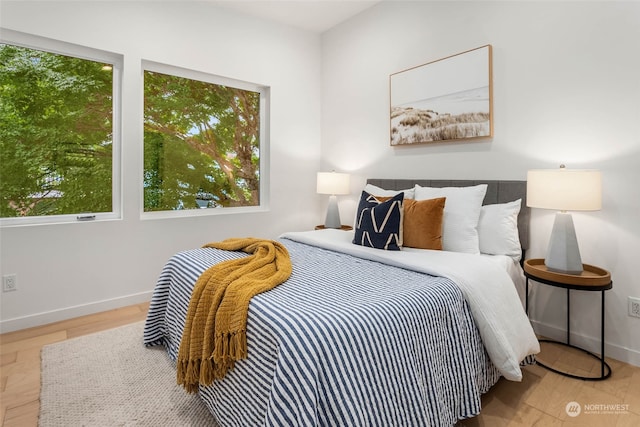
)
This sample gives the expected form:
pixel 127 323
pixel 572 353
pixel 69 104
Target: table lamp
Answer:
pixel 564 190
pixel 334 184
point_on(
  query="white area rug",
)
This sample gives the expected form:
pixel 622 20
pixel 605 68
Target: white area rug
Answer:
pixel 111 379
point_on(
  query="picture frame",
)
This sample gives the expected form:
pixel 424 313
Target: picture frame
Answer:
pixel 449 99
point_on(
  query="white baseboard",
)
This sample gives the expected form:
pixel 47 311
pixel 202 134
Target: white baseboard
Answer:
pixel 38 319
pixel 591 344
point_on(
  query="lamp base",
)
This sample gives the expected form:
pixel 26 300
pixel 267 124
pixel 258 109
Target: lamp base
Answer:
pixel 563 253
pixel 333 215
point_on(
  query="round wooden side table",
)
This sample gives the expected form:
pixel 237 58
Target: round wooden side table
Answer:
pixel 592 278
pixel 342 227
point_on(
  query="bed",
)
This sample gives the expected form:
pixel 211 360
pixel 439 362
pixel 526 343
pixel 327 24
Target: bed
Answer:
pixel 359 336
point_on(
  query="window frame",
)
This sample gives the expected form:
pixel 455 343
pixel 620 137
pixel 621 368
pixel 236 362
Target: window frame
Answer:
pixel 265 107
pixel 59 47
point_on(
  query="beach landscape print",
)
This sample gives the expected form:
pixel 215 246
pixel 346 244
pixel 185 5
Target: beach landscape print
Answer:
pixel 445 100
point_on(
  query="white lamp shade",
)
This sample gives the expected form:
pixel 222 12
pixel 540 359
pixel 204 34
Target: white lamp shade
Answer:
pixel 332 183
pixel 564 189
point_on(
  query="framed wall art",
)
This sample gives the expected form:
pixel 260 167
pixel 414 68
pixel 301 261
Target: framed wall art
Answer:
pixel 450 99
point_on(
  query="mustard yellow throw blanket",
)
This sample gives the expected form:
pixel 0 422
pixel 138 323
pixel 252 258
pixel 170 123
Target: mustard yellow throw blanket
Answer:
pixel 215 332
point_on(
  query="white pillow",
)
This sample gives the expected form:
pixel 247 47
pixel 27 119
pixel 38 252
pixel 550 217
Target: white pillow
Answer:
pixel 377 191
pixel 498 229
pixel 461 215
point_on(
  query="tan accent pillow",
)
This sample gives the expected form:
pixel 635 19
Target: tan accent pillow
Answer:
pixel 422 223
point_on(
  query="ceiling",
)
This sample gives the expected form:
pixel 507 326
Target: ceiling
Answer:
pixel 311 15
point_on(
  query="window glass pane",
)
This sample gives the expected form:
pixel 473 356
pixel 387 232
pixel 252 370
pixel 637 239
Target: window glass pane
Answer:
pixel 56 133
pixel 201 144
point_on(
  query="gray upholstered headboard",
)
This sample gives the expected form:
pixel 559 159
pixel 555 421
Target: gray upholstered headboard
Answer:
pixel 497 192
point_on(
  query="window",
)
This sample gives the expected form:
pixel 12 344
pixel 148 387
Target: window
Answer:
pixel 58 131
pixel 204 139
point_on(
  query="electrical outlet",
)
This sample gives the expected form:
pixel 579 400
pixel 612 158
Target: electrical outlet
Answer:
pixel 9 283
pixel 634 307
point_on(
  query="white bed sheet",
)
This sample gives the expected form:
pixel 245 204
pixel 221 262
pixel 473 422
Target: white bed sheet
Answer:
pixel 511 266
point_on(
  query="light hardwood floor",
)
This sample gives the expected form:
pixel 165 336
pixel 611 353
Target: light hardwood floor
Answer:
pixel 539 400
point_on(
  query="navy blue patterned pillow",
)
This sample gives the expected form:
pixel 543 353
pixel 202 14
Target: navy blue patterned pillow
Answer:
pixel 379 224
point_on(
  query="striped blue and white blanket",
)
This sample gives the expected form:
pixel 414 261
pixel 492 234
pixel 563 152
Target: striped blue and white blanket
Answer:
pixel 346 341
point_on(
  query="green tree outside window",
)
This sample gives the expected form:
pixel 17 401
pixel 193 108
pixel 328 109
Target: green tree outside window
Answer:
pixel 202 140
pixel 201 144
pixel 56 133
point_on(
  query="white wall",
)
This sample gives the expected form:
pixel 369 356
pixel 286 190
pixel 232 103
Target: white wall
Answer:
pixel 66 270
pixel 566 90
